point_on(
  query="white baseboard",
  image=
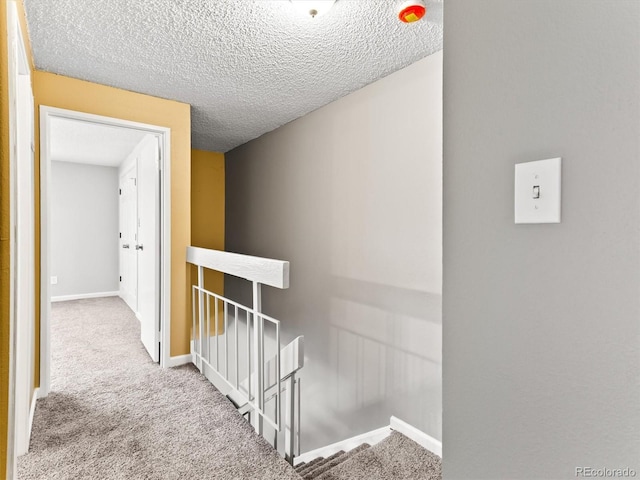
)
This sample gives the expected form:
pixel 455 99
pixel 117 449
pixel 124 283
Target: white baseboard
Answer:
pixel 418 436
pixel 179 360
pixel 371 438
pixel 41 393
pixel 32 411
pixel 65 298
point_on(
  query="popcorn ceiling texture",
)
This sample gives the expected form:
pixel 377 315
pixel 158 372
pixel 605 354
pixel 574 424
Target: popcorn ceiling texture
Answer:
pixel 245 66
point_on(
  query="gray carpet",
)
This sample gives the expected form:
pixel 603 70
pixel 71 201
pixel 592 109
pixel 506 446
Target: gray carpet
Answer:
pixel 302 471
pixel 396 457
pixel 113 414
pixel 331 463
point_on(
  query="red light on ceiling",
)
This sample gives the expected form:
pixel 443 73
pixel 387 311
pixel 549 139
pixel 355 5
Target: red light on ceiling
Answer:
pixel 412 12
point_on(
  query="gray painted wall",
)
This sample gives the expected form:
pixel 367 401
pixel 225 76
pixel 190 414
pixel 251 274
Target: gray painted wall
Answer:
pixel 84 228
pixel 351 195
pixel 541 322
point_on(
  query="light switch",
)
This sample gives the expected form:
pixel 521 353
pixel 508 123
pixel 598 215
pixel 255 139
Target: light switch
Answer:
pixel 537 191
pixel 54 280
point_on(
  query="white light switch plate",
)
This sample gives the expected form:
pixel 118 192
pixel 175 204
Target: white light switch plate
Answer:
pixel 54 280
pixel 546 176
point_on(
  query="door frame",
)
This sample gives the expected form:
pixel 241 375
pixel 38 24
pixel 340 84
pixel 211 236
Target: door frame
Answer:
pixel 18 67
pixel 46 115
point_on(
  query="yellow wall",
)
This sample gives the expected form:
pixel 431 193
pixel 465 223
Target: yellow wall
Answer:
pixel 207 210
pixel 4 239
pixel 72 94
pixel 5 273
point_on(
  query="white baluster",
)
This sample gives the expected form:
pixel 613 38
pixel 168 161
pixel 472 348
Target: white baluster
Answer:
pixel 258 360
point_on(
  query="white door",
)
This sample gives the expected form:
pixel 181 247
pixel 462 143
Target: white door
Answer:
pixel 21 237
pixel 25 261
pixel 128 237
pixel 148 246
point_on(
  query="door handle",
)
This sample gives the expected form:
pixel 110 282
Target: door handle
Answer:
pixel 139 247
pixel 126 245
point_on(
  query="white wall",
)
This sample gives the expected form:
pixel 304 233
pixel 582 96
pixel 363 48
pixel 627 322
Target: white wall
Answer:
pixel 84 229
pixel 351 195
pixel 541 322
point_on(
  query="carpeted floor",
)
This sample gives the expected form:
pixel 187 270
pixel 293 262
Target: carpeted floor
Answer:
pixel 113 414
pixel 396 457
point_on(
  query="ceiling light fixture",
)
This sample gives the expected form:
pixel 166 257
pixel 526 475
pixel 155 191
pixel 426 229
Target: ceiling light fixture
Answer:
pixel 313 8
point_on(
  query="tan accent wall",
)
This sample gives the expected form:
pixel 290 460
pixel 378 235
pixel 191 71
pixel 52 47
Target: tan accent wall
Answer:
pixel 73 94
pixel 207 210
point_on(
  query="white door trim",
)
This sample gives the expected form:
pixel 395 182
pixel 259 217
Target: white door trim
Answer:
pixel 18 66
pixel 164 133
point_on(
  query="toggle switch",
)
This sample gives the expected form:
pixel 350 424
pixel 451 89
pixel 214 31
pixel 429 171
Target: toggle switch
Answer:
pixel 536 191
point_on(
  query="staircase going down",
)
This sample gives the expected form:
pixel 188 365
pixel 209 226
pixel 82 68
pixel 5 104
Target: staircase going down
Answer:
pixel 396 457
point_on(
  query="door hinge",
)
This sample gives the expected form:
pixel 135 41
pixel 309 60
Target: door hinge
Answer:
pixel 120 277
pixel 120 234
pixel 119 191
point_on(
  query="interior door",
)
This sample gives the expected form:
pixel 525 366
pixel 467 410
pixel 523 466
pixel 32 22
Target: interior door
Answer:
pixel 25 261
pixel 128 237
pixel 148 245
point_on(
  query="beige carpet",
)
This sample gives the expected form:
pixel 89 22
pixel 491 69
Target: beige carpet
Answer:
pixel 396 457
pixel 113 414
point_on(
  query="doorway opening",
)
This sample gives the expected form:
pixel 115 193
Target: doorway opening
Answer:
pixel 70 142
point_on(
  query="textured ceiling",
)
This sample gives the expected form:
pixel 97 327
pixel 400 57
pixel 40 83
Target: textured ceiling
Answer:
pixel 84 142
pixel 245 66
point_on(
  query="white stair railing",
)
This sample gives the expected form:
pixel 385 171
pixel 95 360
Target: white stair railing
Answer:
pixel 229 322
pixel 230 342
pixel 291 361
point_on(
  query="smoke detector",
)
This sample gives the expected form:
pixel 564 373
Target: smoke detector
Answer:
pixel 412 11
